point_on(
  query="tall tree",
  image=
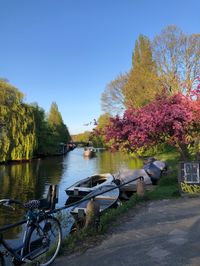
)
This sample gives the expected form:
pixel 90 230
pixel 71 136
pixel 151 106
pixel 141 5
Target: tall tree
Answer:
pixel 98 134
pixel 112 99
pixel 60 131
pixel 142 84
pixel 43 131
pixel 17 129
pixel 172 119
pixel 54 117
pixel 177 56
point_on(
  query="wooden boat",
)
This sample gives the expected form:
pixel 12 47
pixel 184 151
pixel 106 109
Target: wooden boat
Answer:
pixel 89 152
pixel 106 196
pixel 87 185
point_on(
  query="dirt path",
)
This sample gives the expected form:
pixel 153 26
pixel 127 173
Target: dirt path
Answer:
pixel 164 232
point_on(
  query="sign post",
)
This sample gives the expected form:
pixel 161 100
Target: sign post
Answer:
pixel 189 177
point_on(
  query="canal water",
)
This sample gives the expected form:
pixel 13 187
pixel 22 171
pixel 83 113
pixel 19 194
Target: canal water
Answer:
pixel 31 180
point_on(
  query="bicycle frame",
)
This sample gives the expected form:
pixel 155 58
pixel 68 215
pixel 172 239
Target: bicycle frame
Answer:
pixel 18 252
pixel 8 249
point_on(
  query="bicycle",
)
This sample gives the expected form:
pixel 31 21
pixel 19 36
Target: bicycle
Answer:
pixel 41 239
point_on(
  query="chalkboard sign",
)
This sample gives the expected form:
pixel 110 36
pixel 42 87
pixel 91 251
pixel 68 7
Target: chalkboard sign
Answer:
pixel 189 180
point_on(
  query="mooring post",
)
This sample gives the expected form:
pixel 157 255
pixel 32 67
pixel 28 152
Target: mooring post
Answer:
pixel 92 214
pixel 140 187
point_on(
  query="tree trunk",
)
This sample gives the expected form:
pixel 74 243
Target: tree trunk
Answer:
pixel 182 148
pixel 196 148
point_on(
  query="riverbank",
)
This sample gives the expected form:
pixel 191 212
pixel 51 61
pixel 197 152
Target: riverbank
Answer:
pixel 167 188
pixel 162 232
pixel 36 157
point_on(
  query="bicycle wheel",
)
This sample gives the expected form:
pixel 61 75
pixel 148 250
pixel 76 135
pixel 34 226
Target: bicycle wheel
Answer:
pixel 1 261
pixel 43 242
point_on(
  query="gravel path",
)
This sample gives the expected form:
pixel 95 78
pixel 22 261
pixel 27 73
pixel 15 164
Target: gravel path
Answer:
pixel 163 232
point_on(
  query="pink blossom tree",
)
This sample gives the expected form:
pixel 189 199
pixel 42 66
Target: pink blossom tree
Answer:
pixel 169 119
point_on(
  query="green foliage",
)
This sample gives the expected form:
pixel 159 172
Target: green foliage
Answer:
pixel 142 85
pixel 24 129
pixel 97 138
pixel 164 192
pixel 57 131
pixel 54 117
pixel 82 137
pixel 17 130
pixel 43 131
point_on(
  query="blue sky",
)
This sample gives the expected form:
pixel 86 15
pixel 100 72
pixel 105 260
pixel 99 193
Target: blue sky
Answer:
pixel 67 51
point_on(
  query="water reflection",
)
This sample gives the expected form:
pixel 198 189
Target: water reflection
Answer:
pixel 31 180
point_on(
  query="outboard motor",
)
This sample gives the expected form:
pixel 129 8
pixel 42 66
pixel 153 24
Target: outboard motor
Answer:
pixel 161 165
pixel 153 171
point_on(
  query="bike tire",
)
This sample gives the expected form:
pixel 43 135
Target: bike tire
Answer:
pixel 43 242
pixel 1 261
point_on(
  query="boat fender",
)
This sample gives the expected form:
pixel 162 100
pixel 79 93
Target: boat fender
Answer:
pixel 92 214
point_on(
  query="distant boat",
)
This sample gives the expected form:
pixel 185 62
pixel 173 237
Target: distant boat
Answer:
pixel 89 152
pixel 87 185
pixel 106 196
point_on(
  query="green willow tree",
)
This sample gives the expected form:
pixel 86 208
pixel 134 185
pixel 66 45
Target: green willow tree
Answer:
pixel 17 125
pixel 142 85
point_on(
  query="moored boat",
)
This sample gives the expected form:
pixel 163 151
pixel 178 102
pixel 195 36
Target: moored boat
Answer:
pixel 87 185
pixel 89 152
pixel 106 196
pixel 151 173
pixel 123 177
pixel 155 168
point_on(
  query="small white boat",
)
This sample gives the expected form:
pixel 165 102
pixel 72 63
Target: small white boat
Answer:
pixel 89 152
pixel 106 196
pixel 87 185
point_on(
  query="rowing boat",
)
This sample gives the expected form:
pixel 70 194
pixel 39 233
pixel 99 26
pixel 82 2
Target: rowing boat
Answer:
pixel 87 185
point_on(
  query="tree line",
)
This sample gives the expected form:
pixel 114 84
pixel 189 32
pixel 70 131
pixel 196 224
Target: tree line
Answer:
pixel 157 101
pixel 25 129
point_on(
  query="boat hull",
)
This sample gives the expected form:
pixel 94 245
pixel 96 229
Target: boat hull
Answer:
pixel 106 196
pixel 126 190
pixel 85 186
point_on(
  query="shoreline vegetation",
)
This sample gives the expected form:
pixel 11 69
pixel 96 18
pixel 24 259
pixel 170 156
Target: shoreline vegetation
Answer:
pixel 167 188
pixel 37 157
pixel 26 131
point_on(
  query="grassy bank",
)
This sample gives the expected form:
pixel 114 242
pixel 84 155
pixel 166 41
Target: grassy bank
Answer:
pixel 166 188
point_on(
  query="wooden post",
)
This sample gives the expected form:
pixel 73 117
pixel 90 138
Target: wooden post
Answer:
pixel 140 187
pixel 92 214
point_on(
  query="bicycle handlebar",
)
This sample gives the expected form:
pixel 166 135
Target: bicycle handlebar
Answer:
pixel 30 205
pixel 8 202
